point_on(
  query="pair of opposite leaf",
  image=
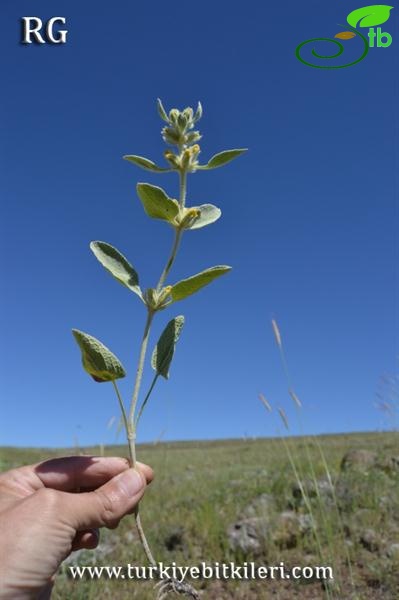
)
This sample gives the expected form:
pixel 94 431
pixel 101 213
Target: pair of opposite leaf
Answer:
pixel 120 268
pixel 158 205
pixel 103 365
pixel 218 160
pixel 97 359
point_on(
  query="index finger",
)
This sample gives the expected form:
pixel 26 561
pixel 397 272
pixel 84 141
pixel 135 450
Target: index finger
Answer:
pixel 76 473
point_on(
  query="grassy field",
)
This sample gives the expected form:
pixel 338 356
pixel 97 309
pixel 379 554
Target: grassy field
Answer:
pixel 267 500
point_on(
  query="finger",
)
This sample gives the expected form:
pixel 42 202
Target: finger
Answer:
pixel 107 504
pixel 145 470
pixel 45 593
pixel 87 539
pixel 72 473
pixel 83 472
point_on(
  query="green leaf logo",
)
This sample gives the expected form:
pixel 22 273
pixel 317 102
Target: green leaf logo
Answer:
pixel 369 16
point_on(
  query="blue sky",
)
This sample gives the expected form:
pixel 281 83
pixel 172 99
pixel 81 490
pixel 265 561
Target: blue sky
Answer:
pixel 310 218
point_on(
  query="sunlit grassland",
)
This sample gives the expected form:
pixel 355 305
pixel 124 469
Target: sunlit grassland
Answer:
pixel 201 488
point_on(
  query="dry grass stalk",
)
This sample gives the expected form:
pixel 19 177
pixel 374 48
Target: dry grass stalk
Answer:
pixel 265 403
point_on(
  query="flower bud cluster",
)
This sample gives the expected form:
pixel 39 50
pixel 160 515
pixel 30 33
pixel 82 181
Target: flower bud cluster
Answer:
pixel 179 132
pixel 187 160
pixel 157 300
pixel 187 217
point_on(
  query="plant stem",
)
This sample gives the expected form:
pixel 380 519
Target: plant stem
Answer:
pixel 307 502
pixel 131 424
pixel 178 232
pixel 150 315
pixel 122 406
pixel 143 539
pixel 171 259
pixel 139 372
pixel 183 187
pixel 140 412
pixel 131 440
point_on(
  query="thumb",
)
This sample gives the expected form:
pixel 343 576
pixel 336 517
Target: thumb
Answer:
pixel 106 505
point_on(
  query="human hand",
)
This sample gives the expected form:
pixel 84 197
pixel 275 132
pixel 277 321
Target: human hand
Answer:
pixel 42 520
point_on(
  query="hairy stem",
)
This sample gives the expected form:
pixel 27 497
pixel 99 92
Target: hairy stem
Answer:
pixel 142 407
pixel 171 259
pixel 183 187
pixel 131 440
pixel 129 433
pixel 122 406
pixel 143 539
pixel 150 315
pixel 131 424
pixel 139 372
pixel 178 232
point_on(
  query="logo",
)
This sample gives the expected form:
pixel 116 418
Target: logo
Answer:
pixel 368 17
pixel 34 31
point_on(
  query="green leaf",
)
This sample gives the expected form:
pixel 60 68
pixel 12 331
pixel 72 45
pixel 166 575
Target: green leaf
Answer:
pixel 189 286
pixel 97 360
pixel 198 113
pixel 209 214
pixel 368 16
pixel 144 163
pixel 165 348
pixel 162 111
pixel 222 158
pixel 157 203
pixel 117 265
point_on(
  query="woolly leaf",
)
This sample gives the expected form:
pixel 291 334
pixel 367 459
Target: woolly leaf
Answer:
pixel 165 348
pixel 144 163
pixel 209 214
pixel 189 286
pixel 222 158
pixel 157 203
pixel 162 111
pixel 97 360
pixel 117 265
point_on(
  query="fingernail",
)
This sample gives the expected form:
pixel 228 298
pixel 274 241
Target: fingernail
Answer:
pixel 130 481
